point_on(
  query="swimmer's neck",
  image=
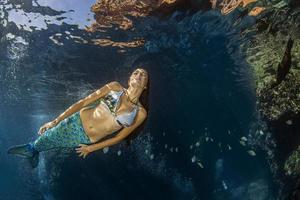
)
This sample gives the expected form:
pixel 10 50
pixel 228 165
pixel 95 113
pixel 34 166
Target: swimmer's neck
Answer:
pixel 134 93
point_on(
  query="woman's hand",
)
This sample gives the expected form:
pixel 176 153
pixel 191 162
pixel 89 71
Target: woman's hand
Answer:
pixel 46 127
pixel 83 150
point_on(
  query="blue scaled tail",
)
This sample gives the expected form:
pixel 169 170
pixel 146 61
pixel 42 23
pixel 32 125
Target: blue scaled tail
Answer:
pixel 26 150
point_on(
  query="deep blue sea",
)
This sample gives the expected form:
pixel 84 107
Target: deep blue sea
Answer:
pixel 195 145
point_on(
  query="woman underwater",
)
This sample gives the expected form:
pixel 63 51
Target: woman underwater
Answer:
pixel 110 109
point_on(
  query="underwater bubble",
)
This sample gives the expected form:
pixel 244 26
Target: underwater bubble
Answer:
pixel 119 152
pixel 242 143
pixel 244 139
pixel 200 164
pixel 78 39
pixel 193 159
pixel 191 146
pixel 224 185
pixel 251 153
pixel 4 22
pixel 261 132
pixel 146 151
pixel 206 139
pixel 105 149
pixel 152 156
pixel 228 132
pixel 2 15
pixel 289 122
pixel 10 36
pixel 229 147
pixel 176 149
pixel 171 149
pixel 197 144
pixel 20 40
pixel 166 146
pixel 55 41
pixel 269 152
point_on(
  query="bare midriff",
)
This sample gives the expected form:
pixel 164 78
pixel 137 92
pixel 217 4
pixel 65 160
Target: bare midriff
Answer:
pixel 98 122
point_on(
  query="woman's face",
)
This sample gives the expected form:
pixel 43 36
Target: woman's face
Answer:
pixel 138 78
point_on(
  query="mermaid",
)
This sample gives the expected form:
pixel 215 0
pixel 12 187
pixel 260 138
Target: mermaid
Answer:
pixel 86 124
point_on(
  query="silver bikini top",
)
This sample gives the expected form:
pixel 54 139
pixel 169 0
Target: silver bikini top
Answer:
pixel 112 100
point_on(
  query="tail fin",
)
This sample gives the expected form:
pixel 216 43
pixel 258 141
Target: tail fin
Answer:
pixel 27 151
pixel 34 160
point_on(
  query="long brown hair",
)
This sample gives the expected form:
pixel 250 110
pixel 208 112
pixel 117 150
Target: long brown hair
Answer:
pixel 144 99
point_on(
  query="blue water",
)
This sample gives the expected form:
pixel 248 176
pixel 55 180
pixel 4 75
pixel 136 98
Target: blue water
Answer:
pixel 202 101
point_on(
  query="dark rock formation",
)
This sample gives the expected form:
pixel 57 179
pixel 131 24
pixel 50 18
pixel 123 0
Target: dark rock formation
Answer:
pixel 285 64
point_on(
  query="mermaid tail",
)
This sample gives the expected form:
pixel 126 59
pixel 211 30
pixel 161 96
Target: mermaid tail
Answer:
pixel 68 133
pixel 27 151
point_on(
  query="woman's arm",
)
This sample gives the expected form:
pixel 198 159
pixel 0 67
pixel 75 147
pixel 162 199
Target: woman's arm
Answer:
pixel 84 150
pixel 89 99
pixel 82 103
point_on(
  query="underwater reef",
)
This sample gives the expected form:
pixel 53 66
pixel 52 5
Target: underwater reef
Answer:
pixel 273 53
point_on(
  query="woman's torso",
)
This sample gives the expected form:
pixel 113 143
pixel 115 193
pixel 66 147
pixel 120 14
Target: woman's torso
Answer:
pixel 99 120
